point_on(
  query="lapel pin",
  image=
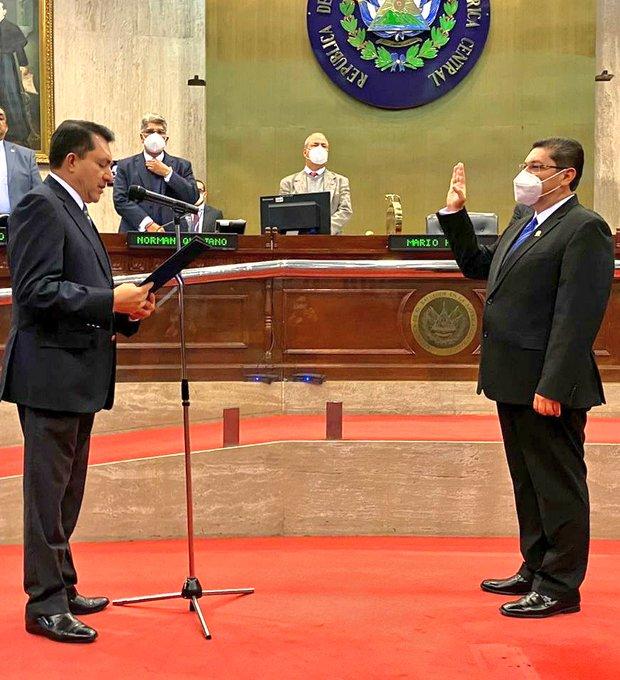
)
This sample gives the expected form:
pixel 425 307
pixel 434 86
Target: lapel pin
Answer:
pixel 538 233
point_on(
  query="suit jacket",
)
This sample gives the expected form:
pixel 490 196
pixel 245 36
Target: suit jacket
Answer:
pixel 22 171
pixel 133 170
pixel 338 187
pixel 209 215
pixel 544 305
pixel 520 212
pixel 61 352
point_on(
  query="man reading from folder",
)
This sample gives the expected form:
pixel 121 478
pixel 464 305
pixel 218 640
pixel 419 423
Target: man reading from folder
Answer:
pixel 549 278
pixel 59 363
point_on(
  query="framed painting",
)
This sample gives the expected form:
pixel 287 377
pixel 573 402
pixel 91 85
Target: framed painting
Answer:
pixel 27 73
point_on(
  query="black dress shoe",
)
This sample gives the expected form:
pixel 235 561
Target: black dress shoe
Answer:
pixel 513 585
pixel 61 628
pixel 536 606
pixel 87 605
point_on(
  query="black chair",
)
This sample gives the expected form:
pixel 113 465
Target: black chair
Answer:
pixel 485 224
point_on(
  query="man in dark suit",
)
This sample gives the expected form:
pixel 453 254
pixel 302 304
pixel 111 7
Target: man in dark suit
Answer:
pixel 204 220
pixel 18 170
pixel 59 363
pixel 521 211
pixel 156 170
pixel 549 279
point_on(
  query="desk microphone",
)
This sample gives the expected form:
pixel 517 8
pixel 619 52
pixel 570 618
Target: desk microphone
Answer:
pixel 138 193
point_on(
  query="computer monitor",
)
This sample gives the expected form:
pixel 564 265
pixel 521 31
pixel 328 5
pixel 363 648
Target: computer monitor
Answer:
pixel 230 226
pixel 303 213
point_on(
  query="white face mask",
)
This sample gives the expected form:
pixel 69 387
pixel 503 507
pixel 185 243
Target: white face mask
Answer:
pixel 528 188
pixel 318 155
pixel 154 144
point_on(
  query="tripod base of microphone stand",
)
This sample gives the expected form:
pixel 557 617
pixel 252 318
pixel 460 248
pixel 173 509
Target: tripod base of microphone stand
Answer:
pixel 192 591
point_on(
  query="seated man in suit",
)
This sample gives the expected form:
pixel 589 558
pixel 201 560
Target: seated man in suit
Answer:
pixel 203 221
pixel 18 170
pixel 155 170
pixel 315 177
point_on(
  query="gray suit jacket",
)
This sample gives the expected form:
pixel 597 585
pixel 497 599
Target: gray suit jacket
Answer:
pixel 23 173
pixel 338 187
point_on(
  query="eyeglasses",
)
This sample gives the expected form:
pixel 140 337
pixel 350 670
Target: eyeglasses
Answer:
pixel 147 132
pixel 538 167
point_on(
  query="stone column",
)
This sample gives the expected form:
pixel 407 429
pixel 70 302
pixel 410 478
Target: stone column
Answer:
pixel 607 126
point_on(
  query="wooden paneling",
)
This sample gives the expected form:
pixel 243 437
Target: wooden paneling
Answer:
pixel 348 328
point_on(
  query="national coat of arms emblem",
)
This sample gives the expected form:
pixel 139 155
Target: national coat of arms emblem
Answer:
pixel 398 53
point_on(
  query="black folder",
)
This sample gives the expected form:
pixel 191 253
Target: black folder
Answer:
pixel 173 265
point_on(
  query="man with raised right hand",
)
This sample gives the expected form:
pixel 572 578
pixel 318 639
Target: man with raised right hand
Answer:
pixel 549 279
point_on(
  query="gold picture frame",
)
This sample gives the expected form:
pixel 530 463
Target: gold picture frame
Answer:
pixel 27 73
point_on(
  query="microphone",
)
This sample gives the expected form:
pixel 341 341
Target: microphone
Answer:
pixel 138 193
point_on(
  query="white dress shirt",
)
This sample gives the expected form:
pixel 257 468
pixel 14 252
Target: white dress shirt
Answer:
pixel 70 190
pixel 314 184
pixel 546 214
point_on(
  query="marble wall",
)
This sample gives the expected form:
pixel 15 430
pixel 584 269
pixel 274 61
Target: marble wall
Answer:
pixel 607 130
pixel 117 59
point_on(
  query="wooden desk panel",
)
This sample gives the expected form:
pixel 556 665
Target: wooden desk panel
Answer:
pixel 421 328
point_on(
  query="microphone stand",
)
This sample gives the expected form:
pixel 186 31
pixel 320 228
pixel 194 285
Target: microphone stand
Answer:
pixel 192 589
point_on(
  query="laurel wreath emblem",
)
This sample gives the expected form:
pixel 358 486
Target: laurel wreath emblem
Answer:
pixel 414 57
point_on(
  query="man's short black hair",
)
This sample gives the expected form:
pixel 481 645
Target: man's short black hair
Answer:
pixel 75 136
pixel 565 153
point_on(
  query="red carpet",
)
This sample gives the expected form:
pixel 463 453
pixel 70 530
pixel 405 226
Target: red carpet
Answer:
pixel 324 609
pixel 160 441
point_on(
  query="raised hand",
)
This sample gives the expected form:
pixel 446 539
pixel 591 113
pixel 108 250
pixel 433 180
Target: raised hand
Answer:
pixel 457 193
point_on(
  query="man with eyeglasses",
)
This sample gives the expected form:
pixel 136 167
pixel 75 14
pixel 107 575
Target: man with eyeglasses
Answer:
pixel 549 279
pixel 156 170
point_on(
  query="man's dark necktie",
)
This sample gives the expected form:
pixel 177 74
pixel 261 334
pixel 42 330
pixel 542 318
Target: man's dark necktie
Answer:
pixel 87 216
pixel 524 235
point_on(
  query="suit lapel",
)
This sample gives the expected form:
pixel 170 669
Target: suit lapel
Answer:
pixel 329 182
pixel 148 179
pixel 504 245
pixel 10 153
pixel 505 265
pixel 300 183
pixel 89 231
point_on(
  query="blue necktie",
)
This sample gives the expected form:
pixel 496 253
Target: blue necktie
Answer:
pixel 525 233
